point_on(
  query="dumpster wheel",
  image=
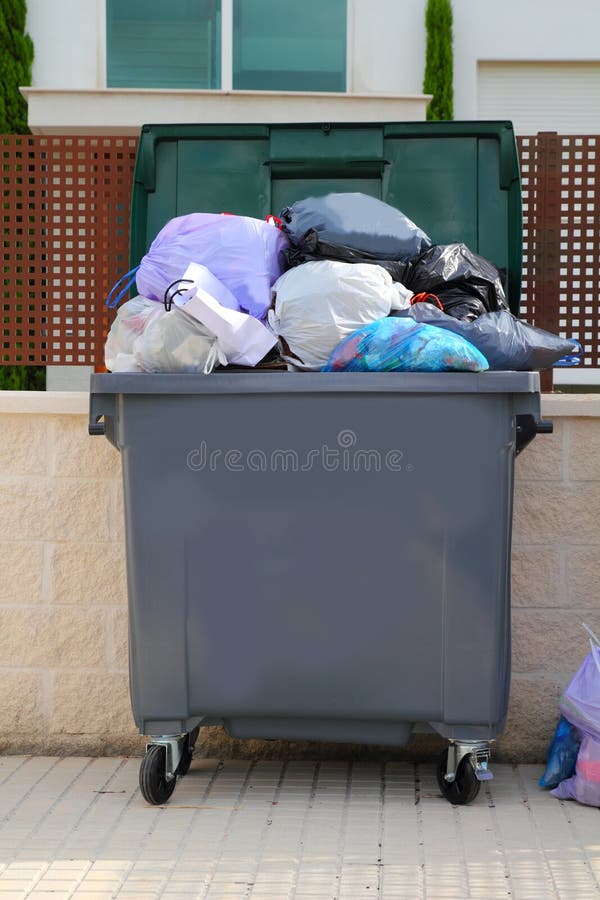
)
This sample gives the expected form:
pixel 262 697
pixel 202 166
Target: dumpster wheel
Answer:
pixel 155 787
pixel 465 786
pixel 188 752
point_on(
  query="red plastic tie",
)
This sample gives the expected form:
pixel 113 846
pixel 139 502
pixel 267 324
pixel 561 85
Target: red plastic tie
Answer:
pixel 424 297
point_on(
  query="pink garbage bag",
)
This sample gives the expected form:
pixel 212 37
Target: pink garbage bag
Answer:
pixel 245 254
pixel 584 786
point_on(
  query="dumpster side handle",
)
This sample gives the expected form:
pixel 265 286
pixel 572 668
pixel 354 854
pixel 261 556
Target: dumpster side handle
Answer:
pixel 528 426
pixel 102 407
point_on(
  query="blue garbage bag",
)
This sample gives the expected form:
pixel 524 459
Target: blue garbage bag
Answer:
pixel 562 754
pixel 403 345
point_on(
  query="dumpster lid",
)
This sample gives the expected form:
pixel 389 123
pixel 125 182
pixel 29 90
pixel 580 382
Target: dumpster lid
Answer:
pixel 256 382
pixel 459 181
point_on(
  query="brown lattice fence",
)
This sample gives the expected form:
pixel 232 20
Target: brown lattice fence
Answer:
pixel 65 231
pixel 561 236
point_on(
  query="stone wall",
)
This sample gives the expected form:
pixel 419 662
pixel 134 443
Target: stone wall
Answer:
pixel 63 613
pixel 556 568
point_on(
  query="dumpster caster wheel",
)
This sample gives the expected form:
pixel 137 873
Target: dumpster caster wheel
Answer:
pixel 465 786
pixel 153 780
pixel 188 752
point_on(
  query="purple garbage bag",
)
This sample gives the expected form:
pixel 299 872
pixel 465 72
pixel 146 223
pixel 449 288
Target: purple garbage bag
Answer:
pixel 584 786
pixel 580 705
pixel 245 254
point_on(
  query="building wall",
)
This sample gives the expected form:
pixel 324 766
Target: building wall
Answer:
pixel 63 612
pixel 387 46
pixel 382 56
pixel 513 30
pixel 386 42
pixel 69 43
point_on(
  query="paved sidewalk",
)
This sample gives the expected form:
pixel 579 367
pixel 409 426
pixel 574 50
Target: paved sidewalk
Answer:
pixel 275 831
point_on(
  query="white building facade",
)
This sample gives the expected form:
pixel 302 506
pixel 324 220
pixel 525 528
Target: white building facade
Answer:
pixel 109 66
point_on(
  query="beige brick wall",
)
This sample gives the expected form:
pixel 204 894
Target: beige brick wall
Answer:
pixel 556 569
pixel 63 613
pixel 63 662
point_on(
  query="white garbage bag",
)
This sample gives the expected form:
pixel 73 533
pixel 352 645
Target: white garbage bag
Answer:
pixel 318 304
pixel 243 339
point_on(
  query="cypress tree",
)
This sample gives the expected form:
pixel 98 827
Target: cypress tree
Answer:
pixel 16 57
pixel 438 61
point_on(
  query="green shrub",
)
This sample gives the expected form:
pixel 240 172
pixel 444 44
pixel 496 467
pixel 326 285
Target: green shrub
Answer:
pixel 438 60
pixel 22 378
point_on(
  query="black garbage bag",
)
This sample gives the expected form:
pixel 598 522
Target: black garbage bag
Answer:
pixel 466 283
pixel 358 222
pixel 310 248
pixel 506 342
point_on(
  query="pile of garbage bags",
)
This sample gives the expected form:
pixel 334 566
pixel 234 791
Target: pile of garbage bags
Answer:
pixel 319 304
pixel 573 762
pixel 338 283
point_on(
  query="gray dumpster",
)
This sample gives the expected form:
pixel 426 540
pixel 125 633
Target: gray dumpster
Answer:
pixel 321 556
pixel 325 555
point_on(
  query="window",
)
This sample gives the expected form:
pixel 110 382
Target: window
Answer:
pixel 299 46
pixel 163 43
pixel 277 45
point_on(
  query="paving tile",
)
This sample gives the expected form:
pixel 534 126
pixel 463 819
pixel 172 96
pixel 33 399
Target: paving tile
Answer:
pixel 44 894
pixel 86 894
pixel 272 831
pixel 183 894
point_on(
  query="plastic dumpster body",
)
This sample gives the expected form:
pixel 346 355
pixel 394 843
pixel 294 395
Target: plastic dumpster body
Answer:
pixel 323 555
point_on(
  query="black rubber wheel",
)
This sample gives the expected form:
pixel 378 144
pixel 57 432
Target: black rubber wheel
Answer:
pixel 188 752
pixel 153 783
pixel 465 786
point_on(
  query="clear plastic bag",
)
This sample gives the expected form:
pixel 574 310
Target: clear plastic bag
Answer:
pixel 245 254
pixel 402 345
pixel 130 322
pixel 319 303
pixel 175 342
